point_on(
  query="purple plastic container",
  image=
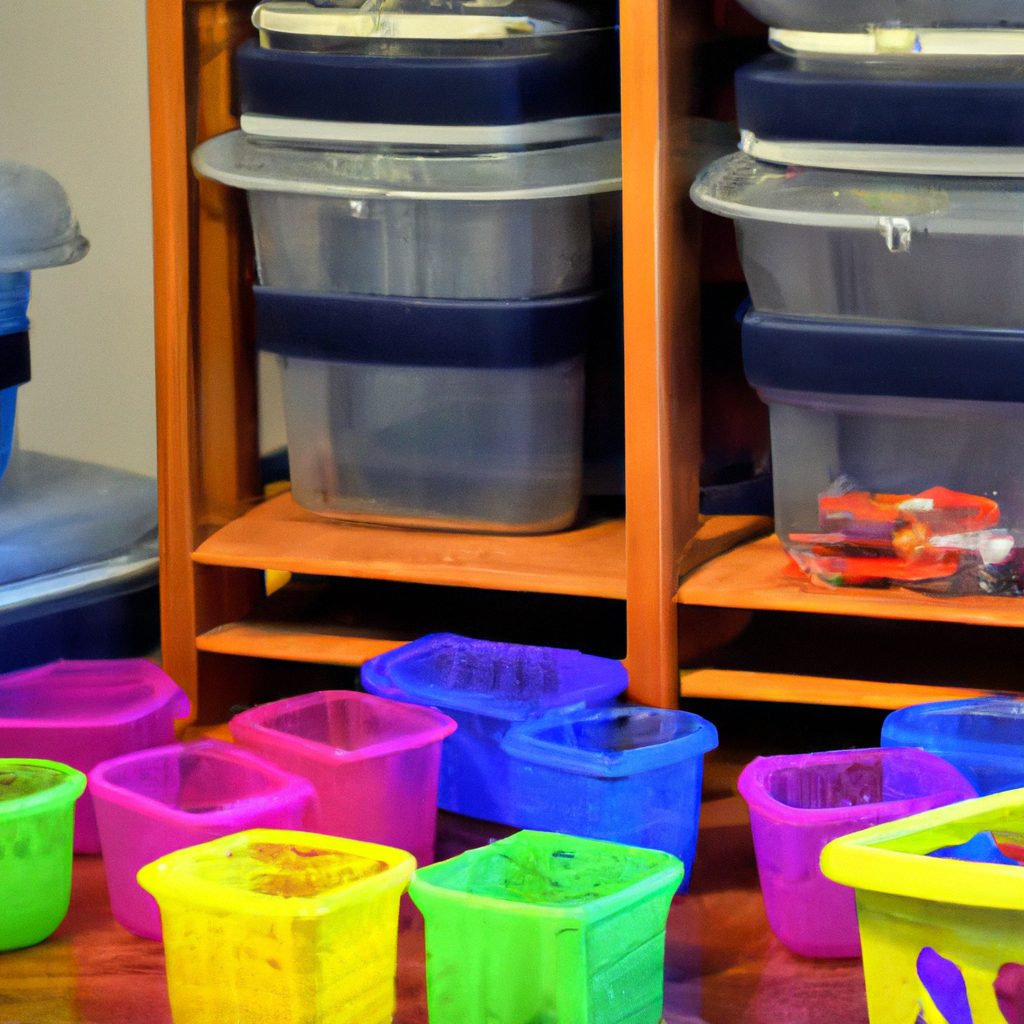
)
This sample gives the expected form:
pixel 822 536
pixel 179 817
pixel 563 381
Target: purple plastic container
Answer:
pixel 799 804
pixel 153 802
pixel 83 712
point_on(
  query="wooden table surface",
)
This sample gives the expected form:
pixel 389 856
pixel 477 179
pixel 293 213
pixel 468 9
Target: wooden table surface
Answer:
pixel 722 965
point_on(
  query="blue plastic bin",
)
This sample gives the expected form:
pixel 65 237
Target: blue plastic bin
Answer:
pixel 626 774
pixel 486 687
pixel 983 737
pixel 14 354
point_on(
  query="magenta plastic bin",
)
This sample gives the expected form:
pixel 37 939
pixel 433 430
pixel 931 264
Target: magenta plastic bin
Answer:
pixel 153 802
pixel 83 712
pixel 374 763
pixel 799 804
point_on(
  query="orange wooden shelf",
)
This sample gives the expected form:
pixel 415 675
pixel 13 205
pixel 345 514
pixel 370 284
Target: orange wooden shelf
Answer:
pixel 278 534
pixel 759 576
pixel 295 642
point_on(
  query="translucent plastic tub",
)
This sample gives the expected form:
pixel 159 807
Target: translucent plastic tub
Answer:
pixel 625 774
pixel 894 248
pixel 37 801
pixel 588 917
pixel 153 802
pixel 486 687
pixel 374 763
pixel 813 15
pixel 289 927
pixel 941 912
pixel 983 737
pixel 798 804
pixel 85 712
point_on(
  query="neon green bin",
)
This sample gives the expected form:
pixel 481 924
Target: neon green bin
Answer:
pixel 942 937
pixel 37 820
pixel 541 927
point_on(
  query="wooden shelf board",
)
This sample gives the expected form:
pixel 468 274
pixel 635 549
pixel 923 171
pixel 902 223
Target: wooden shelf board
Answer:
pixel 730 684
pixel 760 576
pixel 294 642
pixel 278 534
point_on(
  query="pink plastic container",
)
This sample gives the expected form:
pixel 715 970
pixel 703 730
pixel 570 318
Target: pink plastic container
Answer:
pixel 799 804
pixel 153 802
pixel 374 763
pixel 82 712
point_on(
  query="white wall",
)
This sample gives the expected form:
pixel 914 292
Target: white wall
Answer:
pixel 74 101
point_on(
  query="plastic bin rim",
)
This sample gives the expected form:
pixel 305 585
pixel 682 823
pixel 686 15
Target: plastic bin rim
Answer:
pixel 523 742
pixel 437 726
pixel 670 875
pixel 858 861
pixel 166 692
pixel 160 882
pixel 288 784
pixel 67 791
pixel 751 784
pixel 904 730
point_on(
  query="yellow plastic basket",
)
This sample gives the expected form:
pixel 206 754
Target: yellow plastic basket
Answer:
pixel 942 939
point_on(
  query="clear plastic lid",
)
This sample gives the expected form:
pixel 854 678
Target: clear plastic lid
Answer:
pixel 584 169
pixel 37 228
pixel 743 188
pixel 910 44
pixel 444 28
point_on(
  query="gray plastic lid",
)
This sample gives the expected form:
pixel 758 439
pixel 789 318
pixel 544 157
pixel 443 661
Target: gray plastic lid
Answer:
pixel 743 188
pixel 556 172
pixel 37 228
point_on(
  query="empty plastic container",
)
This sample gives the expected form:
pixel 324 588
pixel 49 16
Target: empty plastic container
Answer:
pixel 626 774
pixel 289 927
pixel 982 736
pixel 588 918
pixel 896 248
pixel 800 803
pixel 153 802
pixel 941 912
pixel 813 15
pixel 374 763
pixel 37 801
pixel 85 712
pixel 486 687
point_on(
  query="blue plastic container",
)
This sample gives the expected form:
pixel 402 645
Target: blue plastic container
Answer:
pixel 622 773
pixel 14 354
pixel 486 687
pixel 983 737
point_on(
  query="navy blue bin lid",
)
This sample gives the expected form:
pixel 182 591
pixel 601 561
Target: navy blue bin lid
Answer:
pixel 611 742
pixel 15 364
pixel 778 99
pixel 853 357
pixel 506 681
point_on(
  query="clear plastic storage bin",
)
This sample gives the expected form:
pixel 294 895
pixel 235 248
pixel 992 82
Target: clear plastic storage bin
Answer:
pixel 982 736
pixel 153 802
pixel 374 763
pixel 816 16
pixel 84 712
pixel 800 803
pixel 625 774
pixel 895 248
pixel 486 687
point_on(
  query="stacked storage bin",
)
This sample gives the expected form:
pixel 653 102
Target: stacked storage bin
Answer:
pixel 426 185
pixel 878 209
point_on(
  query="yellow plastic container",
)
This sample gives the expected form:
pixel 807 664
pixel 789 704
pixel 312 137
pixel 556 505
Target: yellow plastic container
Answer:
pixel 276 927
pixel 942 938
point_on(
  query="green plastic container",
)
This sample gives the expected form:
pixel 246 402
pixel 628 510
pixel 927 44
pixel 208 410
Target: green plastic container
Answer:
pixel 542 928
pixel 37 821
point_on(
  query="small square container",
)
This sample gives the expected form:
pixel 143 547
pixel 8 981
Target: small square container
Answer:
pixel 982 736
pixel 37 802
pixel 374 763
pixel 486 687
pixel 289 927
pixel 625 774
pixel 83 712
pixel 815 16
pixel 798 804
pixel 909 248
pixel 941 912
pixel 587 917
pixel 156 801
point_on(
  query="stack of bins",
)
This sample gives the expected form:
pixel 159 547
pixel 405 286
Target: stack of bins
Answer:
pixel 424 184
pixel 878 213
